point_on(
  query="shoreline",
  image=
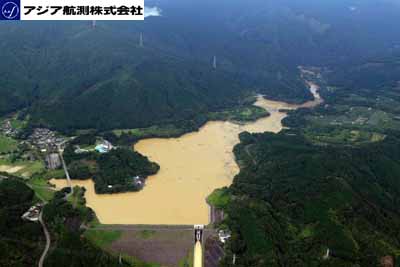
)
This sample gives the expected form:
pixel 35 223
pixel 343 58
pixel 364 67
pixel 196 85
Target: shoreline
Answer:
pixel 177 194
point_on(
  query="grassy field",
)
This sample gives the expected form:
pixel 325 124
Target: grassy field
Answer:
pixel 88 147
pixel 7 144
pixel 170 248
pixel 138 263
pixel 161 131
pixel 350 124
pixel 44 194
pixel 77 198
pixel 350 116
pixel 105 238
pixel 187 261
pixel 50 174
pixel 32 167
pixel 240 114
pixel 102 238
pixel 26 168
pixel 146 234
pixel 42 189
pixel 343 135
pixel 17 124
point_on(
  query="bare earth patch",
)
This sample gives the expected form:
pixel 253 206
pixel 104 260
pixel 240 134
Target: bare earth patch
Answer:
pixel 10 169
pixel 166 247
pixel 387 261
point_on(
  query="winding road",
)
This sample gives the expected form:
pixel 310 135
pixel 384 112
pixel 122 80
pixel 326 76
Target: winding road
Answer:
pixel 48 241
pixel 46 232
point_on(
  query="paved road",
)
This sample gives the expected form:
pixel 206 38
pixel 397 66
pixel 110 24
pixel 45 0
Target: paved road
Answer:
pixel 46 232
pixel 141 227
pixel 48 240
pixel 66 174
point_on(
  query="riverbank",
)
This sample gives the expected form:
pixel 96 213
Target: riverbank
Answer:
pixel 241 114
pixel 192 166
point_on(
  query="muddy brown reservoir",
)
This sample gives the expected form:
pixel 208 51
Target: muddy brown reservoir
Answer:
pixel 192 166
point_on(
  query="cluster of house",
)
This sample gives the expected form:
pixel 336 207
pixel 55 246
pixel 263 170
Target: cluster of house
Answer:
pixel 45 140
pixel 33 213
pixel 7 129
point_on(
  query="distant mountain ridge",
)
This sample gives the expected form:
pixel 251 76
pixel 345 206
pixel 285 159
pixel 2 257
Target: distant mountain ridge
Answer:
pixel 70 75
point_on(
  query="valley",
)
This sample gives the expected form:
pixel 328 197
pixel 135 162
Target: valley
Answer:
pixel 223 133
pixel 192 167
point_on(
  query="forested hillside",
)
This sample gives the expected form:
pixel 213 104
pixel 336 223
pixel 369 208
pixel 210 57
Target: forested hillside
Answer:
pixel 294 200
pixel 379 74
pixel 22 242
pixel 119 170
pixel 74 76
pixel 70 75
pixel 323 192
pixel 326 191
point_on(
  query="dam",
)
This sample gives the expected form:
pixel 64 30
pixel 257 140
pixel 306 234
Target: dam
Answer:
pixel 198 246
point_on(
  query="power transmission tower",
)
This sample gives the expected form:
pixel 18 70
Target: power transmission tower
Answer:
pixel 215 62
pixel 141 40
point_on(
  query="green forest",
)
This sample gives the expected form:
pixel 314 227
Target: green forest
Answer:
pixel 328 182
pixel 119 170
pixel 22 242
pixel 293 200
pixel 66 82
pixel 119 167
pixel 325 191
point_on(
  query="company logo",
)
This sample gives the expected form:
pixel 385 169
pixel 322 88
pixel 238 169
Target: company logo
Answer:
pixel 71 10
pixel 10 10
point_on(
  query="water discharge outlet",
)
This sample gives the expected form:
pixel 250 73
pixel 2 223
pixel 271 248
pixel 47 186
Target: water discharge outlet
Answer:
pixel 198 250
